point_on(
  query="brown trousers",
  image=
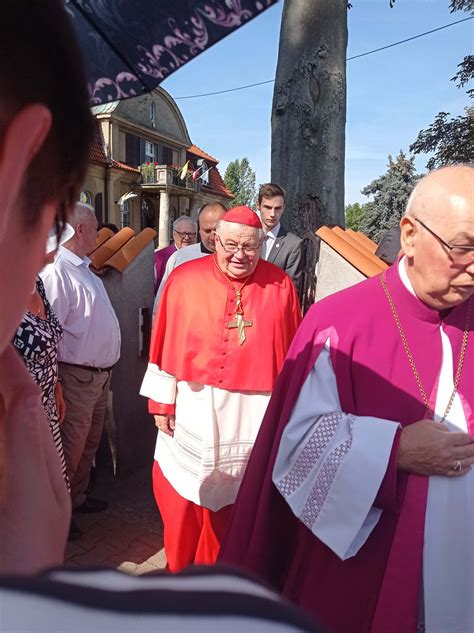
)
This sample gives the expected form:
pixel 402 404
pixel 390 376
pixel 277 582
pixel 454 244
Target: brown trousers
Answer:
pixel 86 393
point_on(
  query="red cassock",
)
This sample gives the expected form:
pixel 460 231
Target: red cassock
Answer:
pixel 192 341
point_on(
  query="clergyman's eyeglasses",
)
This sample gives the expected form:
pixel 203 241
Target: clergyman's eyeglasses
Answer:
pixel 185 234
pixel 233 248
pixel 460 254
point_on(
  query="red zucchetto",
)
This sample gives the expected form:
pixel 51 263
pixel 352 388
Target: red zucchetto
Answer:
pixel 242 215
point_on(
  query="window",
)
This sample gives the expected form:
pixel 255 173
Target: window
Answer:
pixel 167 156
pixel 164 155
pixel 149 150
pixel 153 114
pixel 132 150
pixel 98 208
pixel 148 213
pixel 85 197
pixel 139 151
pixel 204 173
pixel 124 214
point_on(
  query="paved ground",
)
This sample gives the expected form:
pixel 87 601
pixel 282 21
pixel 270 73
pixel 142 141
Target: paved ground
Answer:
pixel 128 535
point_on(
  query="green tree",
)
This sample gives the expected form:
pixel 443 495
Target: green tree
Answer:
pixel 390 195
pixel 353 214
pixel 451 139
pixel 239 177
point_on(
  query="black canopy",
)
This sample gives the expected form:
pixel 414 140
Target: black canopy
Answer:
pixel 130 46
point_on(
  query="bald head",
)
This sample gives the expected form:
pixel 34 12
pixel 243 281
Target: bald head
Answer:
pixel 212 207
pixel 84 222
pixel 451 187
pixel 440 215
pixel 209 216
pixel 80 213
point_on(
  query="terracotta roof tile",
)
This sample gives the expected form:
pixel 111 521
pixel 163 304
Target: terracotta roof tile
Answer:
pixel 360 257
pixel 363 239
pixel 129 251
pixel 108 248
pixel 197 151
pixel 102 236
pixel 96 150
pixel 357 244
pixel 119 165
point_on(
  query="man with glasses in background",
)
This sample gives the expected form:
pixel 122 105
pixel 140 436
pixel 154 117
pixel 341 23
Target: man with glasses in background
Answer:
pixel 365 456
pixel 220 336
pixel 184 234
pixel 208 217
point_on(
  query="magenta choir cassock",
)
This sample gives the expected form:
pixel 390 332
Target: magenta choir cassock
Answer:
pixel 323 514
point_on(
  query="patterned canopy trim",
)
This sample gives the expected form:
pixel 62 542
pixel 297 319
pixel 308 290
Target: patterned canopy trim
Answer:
pixel 130 48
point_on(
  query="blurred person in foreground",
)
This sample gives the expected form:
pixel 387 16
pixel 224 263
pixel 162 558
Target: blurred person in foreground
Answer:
pixel 197 600
pixel 364 458
pixel 42 89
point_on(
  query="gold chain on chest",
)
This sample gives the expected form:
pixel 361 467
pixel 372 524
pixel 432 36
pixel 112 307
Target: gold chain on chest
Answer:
pixel 239 322
pixel 410 355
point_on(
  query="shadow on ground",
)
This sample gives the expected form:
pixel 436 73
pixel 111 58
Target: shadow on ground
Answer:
pixel 128 535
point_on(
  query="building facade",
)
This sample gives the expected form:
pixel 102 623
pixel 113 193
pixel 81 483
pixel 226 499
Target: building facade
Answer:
pixel 136 177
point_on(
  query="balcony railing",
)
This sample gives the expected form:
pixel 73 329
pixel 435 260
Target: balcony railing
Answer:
pixel 165 175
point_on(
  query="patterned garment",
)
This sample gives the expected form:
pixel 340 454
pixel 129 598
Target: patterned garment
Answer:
pixel 36 340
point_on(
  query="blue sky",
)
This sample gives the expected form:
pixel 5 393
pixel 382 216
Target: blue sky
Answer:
pixel 391 94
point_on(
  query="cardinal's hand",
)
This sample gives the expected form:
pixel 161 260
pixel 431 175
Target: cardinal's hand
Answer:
pixel 165 423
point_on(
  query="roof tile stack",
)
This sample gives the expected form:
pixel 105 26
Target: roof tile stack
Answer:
pixel 118 250
pixel 354 247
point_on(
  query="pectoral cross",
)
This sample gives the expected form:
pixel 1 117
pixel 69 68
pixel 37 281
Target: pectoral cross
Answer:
pixel 240 323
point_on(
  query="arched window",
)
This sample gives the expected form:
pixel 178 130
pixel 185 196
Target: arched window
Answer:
pixel 85 197
pixel 99 213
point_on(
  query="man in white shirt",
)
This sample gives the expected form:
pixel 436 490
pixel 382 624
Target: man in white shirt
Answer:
pixel 208 217
pixel 88 350
pixel 281 247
